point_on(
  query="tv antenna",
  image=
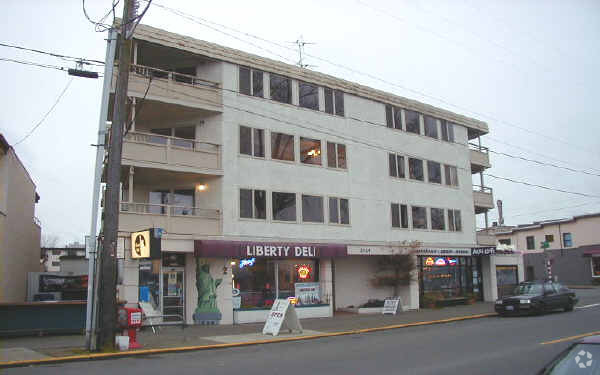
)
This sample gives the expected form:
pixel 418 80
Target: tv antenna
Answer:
pixel 301 43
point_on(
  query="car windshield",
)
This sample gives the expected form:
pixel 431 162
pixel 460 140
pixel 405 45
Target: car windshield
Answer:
pixel 579 357
pixel 528 289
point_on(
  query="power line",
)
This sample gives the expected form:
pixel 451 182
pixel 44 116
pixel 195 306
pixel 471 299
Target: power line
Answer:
pixel 544 163
pixel 70 58
pixel 203 22
pixel 553 209
pixel 47 113
pixel 541 186
pixel 39 65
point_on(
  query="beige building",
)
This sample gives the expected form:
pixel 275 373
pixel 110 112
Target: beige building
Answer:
pixel 20 230
pixel 573 247
pixel 268 180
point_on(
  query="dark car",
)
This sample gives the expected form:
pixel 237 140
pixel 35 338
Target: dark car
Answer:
pixel 536 297
pixel 582 355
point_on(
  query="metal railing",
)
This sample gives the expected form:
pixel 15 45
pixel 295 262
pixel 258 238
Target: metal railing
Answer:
pixel 476 147
pixel 172 142
pixel 482 189
pixel 169 210
pixel 147 71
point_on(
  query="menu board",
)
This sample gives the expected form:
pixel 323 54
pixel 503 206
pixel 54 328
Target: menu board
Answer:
pixel 282 314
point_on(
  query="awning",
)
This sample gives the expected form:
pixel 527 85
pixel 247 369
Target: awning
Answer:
pixel 250 249
pixel 589 253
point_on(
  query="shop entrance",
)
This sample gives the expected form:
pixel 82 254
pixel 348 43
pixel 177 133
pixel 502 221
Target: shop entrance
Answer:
pixel 507 279
pixel 173 294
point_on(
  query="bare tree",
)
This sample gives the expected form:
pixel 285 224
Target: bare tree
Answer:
pixel 398 269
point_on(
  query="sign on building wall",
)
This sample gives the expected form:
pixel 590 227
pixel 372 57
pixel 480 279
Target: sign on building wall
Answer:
pixel 140 244
pixel 308 293
pixel 447 252
pixel 282 315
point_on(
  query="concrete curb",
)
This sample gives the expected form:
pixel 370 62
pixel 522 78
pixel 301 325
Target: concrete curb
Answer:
pixel 100 356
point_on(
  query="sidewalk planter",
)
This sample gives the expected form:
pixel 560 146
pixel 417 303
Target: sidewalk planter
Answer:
pixel 259 315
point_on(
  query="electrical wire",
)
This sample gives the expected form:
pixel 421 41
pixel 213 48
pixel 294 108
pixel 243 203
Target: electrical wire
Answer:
pixel 47 113
pixel 541 186
pixel 65 57
pixel 139 108
pixel 368 75
pixel 40 65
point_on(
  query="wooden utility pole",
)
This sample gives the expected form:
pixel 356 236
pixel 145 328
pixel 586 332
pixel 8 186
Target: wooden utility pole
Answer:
pixel 108 274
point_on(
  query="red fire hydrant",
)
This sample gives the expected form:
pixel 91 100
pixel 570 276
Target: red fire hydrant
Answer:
pixel 131 319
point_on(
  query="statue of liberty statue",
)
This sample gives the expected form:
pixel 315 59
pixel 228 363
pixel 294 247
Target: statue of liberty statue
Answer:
pixel 206 311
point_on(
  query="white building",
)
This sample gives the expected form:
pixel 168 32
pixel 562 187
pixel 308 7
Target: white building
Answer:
pixel 238 158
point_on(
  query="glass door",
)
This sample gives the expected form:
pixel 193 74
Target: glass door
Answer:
pixel 173 296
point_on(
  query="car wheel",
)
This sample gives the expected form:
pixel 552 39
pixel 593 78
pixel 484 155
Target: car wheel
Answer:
pixel 570 306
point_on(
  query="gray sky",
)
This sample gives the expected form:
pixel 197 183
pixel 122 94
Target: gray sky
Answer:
pixel 514 64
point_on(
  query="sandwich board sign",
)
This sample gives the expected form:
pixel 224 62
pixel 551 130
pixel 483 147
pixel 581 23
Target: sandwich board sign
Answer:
pixel 390 306
pixel 282 315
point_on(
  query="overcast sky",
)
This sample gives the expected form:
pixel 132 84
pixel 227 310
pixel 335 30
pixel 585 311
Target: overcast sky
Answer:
pixel 527 68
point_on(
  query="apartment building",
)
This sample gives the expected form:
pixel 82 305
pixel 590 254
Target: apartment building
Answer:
pixel 572 248
pixel 265 180
pixel 20 230
pixel 53 257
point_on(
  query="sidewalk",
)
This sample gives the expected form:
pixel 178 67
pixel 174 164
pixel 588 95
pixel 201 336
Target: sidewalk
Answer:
pixel 32 348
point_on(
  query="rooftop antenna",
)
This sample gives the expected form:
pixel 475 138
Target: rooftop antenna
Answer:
pixel 301 43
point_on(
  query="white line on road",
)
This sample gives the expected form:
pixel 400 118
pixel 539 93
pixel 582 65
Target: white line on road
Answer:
pixel 586 306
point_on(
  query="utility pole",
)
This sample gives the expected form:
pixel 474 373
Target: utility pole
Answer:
pixel 108 274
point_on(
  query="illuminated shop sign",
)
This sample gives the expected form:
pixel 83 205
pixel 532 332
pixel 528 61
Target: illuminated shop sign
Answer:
pixel 281 251
pixel 441 261
pixel 304 271
pixel 247 262
pixel 429 261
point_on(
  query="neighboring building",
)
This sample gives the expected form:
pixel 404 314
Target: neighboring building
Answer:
pixel 573 247
pixel 53 257
pixel 20 230
pixel 275 181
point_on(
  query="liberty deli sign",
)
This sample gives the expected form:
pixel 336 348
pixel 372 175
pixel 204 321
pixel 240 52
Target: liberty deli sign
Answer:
pixel 243 249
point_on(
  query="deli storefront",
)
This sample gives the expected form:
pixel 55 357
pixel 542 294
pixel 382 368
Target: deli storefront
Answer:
pixel 448 276
pixel 259 273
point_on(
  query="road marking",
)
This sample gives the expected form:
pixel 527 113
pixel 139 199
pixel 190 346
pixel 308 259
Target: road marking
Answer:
pixel 586 306
pixel 570 338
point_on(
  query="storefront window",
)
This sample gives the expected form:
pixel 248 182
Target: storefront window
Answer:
pixel 149 284
pixel 596 266
pixel 450 277
pixel 261 281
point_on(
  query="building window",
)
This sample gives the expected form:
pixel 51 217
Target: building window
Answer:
pixel 310 151
pixel 257 83
pixel 55 264
pixel 309 96
pixel 336 155
pixel 549 238
pixel 412 122
pixel 334 101
pixel 396 163
pixel 434 172
pixel 415 169
pixel 389 119
pixel 251 81
pixel 281 89
pixel 399 215
pixel 253 204
pixel 419 217
pixel 567 240
pixel 339 102
pixel 284 206
pixel 312 209
pixel 339 211
pixel 282 146
pixel 451 175
pixel 447 131
pixel 56 252
pixel 454 222
pixel 437 219
pixel 595 267
pixel 530 242
pixel 504 241
pixel 252 141
pixel 431 127
pixel 393 117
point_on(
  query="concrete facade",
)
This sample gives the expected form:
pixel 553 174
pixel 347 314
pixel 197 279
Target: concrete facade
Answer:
pixel 209 106
pixel 20 230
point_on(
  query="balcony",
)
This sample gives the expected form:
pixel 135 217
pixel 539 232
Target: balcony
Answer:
pixel 486 239
pixel 480 158
pixel 178 154
pixel 483 198
pixel 175 88
pixel 173 219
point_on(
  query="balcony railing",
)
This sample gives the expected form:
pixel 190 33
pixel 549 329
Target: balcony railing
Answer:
pixel 172 151
pixel 476 147
pixel 482 189
pixel 169 210
pixel 148 72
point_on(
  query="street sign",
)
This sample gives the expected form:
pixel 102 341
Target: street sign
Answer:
pixel 282 314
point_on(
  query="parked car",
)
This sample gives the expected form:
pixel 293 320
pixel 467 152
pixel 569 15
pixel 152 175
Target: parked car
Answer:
pixel 583 354
pixel 536 297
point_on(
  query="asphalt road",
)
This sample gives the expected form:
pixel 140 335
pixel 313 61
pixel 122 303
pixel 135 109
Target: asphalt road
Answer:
pixel 482 346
